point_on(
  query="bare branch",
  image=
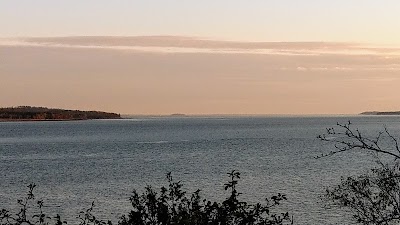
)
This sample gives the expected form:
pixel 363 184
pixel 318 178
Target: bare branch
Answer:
pixel 347 139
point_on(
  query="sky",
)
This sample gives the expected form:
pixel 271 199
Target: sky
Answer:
pixel 257 20
pixel 201 57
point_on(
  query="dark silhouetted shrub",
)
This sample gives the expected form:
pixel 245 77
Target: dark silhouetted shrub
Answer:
pixel 372 197
pixel 171 206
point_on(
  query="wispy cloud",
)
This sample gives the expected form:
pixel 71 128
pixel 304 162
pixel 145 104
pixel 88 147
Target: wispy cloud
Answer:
pixel 173 44
pixel 349 68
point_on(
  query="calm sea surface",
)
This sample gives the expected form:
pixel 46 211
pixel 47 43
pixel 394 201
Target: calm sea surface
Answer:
pixel 75 163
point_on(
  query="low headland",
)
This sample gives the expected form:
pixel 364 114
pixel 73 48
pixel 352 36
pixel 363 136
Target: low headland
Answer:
pixel 29 113
pixel 377 113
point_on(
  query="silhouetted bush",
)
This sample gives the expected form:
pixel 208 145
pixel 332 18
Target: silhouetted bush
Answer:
pixel 21 218
pixel 171 206
pixel 372 197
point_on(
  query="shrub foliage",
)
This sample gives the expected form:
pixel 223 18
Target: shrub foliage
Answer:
pixel 170 206
pixel 372 197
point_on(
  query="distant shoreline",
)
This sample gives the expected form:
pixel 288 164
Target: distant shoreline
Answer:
pixel 40 120
pixel 29 113
pixel 377 113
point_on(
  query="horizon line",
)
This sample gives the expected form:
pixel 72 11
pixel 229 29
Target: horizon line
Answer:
pixel 180 115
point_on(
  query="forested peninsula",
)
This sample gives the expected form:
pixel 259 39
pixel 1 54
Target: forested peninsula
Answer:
pixel 29 113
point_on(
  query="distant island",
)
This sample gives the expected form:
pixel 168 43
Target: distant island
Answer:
pixel 394 113
pixel 177 115
pixel 29 113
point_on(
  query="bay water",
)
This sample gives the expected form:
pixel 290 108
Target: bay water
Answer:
pixel 76 162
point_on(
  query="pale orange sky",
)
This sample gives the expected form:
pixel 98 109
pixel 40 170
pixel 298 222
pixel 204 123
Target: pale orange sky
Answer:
pixel 165 75
pixel 366 21
pixel 312 56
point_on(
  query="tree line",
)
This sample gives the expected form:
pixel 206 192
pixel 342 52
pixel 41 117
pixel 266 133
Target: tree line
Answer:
pixel 42 113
